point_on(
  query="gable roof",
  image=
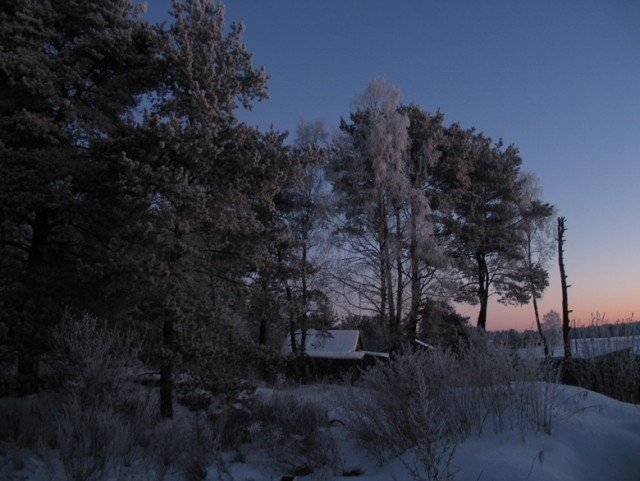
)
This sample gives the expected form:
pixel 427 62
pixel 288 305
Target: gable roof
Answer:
pixel 329 340
pixel 331 344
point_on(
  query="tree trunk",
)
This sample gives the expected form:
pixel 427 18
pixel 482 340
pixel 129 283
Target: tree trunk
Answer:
pixel 543 338
pixel 40 233
pixel 534 298
pixel 27 373
pixel 305 298
pixel 389 284
pixel 292 320
pixel 383 264
pixel 262 332
pixel 412 324
pixel 483 290
pixel 399 292
pixel 566 326
pixel 166 382
pixel 263 327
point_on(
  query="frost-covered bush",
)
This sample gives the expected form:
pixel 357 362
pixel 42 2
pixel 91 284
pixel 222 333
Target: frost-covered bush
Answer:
pixel 91 359
pixel 426 401
pixel 91 439
pixel 495 388
pixel 103 420
pixel 222 367
pixel 395 408
pixel 294 434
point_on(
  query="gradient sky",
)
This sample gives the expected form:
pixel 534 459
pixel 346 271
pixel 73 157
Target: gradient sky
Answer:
pixel 559 79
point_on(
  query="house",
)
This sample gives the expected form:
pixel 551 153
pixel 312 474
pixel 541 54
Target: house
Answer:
pixel 333 344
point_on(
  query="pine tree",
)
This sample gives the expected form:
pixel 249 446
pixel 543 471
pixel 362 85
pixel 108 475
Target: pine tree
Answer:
pixel 71 74
pixel 425 255
pixel 204 173
pixel 485 226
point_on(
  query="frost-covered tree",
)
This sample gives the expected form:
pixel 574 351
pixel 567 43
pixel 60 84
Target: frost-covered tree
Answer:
pixel 307 222
pixel 538 247
pixel 210 178
pixel 424 254
pixel 369 180
pixel 136 214
pixel 71 77
pixel 485 227
pixel 552 327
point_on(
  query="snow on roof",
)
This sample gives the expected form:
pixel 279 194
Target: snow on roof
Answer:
pixel 334 343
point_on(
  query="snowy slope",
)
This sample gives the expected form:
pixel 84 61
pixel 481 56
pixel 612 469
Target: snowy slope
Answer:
pixel 600 441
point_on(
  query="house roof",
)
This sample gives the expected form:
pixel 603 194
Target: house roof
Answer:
pixel 331 344
pixel 326 340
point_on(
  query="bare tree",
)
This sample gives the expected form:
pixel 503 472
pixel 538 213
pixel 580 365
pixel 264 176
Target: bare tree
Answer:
pixel 566 323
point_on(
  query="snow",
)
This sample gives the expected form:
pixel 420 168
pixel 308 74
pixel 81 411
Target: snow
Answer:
pixel 588 347
pixel 326 341
pixel 594 438
pixel 600 441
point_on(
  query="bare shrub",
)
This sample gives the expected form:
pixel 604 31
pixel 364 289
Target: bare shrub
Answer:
pixel 294 434
pixel 91 359
pixel 104 420
pixel 394 409
pixel 425 402
pixel 186 445
pixel 429 437
pixel 495 386
pixel 89 438
pixel 205 448
pixel 170 441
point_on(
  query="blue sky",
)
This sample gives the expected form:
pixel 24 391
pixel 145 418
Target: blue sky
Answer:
pixel 559 79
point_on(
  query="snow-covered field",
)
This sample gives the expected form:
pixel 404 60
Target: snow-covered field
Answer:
pixel 588 347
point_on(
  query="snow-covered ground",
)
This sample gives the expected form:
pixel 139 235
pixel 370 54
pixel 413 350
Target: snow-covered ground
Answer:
pixel 594 438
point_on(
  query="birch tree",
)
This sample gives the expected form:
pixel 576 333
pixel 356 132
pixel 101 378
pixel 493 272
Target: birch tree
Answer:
pixel 538 247
pixel 369 178
pixel 307 223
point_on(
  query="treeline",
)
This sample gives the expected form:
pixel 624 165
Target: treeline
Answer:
pixel 130 191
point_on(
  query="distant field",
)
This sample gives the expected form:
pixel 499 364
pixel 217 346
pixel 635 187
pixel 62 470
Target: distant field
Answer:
pixel 588 347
